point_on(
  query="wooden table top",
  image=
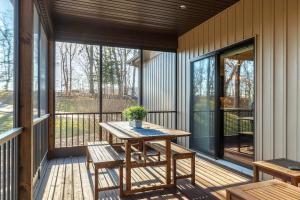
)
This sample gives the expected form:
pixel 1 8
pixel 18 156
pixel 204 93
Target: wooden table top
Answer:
pixel 123 131
pixel 279 165
pixel 273 189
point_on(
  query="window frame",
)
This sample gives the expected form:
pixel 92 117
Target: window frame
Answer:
pixel 39 63
pixel 16 64
pixel 15 82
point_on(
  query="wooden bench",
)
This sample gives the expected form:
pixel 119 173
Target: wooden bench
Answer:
pixel 102 155
pixel 178 152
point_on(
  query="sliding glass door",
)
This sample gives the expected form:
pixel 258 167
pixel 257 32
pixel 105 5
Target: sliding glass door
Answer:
pixel 222 104
pixel 203 105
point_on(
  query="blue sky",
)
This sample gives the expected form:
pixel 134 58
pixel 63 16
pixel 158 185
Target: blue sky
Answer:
pixel 5 5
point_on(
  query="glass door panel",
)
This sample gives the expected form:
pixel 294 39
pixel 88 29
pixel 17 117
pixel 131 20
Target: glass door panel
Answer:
pixel 237 104
pixel 203 105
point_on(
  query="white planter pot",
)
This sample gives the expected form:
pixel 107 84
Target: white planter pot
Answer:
pixel 136 123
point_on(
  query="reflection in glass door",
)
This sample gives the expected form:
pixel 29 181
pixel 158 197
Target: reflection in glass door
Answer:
pixel 237 104
pixel 203 105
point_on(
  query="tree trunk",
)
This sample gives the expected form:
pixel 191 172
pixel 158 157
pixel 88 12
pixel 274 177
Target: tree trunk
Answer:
pixel 71 70
pixel 133 82
pixel 91 75
pixel 236 101
pixel 118 72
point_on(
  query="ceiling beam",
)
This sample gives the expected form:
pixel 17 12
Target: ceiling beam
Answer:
pixel 109 34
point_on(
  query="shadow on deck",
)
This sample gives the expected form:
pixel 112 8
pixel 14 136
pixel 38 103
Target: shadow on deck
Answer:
pixel 68 178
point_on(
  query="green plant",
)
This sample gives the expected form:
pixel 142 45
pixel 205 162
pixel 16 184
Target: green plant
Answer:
pixel 135 113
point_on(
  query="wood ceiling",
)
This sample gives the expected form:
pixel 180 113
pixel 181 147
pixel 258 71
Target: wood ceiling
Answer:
pixel 130 18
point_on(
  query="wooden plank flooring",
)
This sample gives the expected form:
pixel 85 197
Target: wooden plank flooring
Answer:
pixel 68 179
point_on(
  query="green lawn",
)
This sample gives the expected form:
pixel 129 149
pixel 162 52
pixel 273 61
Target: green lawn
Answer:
pixel 6 122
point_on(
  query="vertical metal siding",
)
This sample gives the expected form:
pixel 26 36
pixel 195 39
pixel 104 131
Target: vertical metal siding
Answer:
pixel 276 26
pixel 159 82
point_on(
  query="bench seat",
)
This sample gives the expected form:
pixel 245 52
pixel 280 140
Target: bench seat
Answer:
pixel 178 152
pixel 102 155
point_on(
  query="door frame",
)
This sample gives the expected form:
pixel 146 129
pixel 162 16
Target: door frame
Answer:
pixel 219 119
pixel 209 55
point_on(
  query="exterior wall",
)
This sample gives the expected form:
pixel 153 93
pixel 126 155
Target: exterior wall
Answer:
pixel 159 85
pixel 159 82
pixel 276 26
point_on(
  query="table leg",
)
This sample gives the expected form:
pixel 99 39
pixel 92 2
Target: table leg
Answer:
pixel 128 165
pixel 255 174
pixel 168 159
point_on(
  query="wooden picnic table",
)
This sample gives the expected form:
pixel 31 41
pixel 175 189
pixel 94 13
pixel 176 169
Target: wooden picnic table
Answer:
pixel 277 168
pixel 273 189
pixel 148 132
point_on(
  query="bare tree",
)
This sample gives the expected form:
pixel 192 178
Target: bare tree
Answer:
pixel 71 50
pixel 87 62
pixel 64 67
pixel 6 41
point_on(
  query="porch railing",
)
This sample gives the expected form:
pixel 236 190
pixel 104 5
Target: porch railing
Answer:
pixel 40 145
pixel 233 123
pixel 9 164
pixel 76 129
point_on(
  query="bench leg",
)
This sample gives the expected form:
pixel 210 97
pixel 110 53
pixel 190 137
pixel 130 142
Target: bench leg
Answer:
pixel 87 160
pixel 140 148
pixel 96 192
pixel 255 174
pixel 174 171
pixel 121 181
pixel 145 148
pixel 193 166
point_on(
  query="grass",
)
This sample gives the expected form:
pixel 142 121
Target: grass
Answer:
pixel 6 122
pixel 83 104
pixel 6 118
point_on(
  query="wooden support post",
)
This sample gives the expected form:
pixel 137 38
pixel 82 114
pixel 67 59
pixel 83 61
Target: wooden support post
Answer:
pixel 51 96
pixel 25 99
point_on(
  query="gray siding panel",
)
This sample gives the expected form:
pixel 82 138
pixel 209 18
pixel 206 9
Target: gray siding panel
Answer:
pixel 159 84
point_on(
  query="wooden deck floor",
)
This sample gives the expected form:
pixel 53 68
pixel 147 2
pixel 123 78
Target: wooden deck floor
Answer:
pixel 68 178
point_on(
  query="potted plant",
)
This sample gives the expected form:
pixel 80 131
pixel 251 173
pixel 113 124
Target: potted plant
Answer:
pixel 135 115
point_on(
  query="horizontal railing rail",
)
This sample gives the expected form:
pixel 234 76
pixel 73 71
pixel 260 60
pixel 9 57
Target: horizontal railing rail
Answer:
pixel 9 164
pixel 40 145
pixel 9 135
pixel 235 120
pixel 76 129
pixel 40 119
